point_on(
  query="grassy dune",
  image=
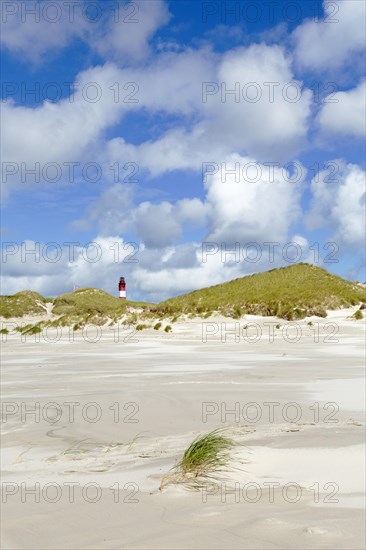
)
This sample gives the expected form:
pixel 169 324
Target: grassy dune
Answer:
pixel 290 293
pixel 85 305
pixel 22 303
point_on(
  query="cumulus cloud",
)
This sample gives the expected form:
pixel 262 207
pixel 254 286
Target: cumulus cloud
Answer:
pixel 208 128
pixel 268 117
pixel 63 131
pixel 73 129
pixel 340 204
pixel 249 201
pixel 331 42
pixel 272 127
pixel 116 30
pixel 156 225
pixel 126 36
pixel 30 30
pixel 346 113
pixel 245 201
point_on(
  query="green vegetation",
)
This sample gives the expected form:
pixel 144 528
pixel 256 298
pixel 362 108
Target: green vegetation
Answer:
pixel 142 327
pixel 30 329
pixel 206 454
pixel 237 312
pixel 357 315
pixel 88 300
pixel 93 306
pixel 290 293
pixel 4 331
pixel 33 330
pixel 22 303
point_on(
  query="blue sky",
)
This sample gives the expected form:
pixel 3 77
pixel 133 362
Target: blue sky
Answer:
pixel 170 125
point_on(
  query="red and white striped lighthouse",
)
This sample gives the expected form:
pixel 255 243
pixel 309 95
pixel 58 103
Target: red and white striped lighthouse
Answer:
pixel 122 288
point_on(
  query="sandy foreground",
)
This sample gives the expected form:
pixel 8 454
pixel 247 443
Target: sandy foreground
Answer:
pixel 111 418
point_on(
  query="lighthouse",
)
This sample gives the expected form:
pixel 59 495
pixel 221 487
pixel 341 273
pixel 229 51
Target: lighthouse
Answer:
pixel 122 288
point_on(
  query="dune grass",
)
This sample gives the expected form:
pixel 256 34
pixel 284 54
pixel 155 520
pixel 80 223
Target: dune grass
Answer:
pixel 92 306
pixel 202 458
pixel 88 300
pixel 291 293
pixel 358 315
pixel 206 454
pixel 23 303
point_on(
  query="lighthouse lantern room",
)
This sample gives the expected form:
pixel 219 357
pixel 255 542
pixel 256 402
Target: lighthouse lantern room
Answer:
pixel 122 288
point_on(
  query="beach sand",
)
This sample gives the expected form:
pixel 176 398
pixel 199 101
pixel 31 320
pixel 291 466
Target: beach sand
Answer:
pixel 111 418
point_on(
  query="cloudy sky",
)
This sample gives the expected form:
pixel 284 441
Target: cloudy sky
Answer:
pixel 180 143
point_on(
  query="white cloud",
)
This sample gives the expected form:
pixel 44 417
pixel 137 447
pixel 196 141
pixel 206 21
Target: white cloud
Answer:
pixel 260 206
pixel 346 113
pixel 330 43
pixel 68 129
pixel 160 225
pixel 156 224
pixel 128 39
pixel 112 210
pixel 272 129
pixel 270 119
pixel 191 210
pixel 118 31
pixel 340 204
pixel 73 129
pixel 31 35
pixel 256 203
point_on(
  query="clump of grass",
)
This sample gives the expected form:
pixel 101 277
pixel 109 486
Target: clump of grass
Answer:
pixel 168 328
pixel 157 326
pixel 310 323
pixel 4 331
pixel 278 326
pixel 237 313
pixel 358 315
pixel 141 327
pixel 34 330
pixel 207 453
pixel 202 458
pixel 319 312
pixel 23 329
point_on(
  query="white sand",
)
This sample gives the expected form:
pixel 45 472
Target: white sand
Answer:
pixel 296 479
